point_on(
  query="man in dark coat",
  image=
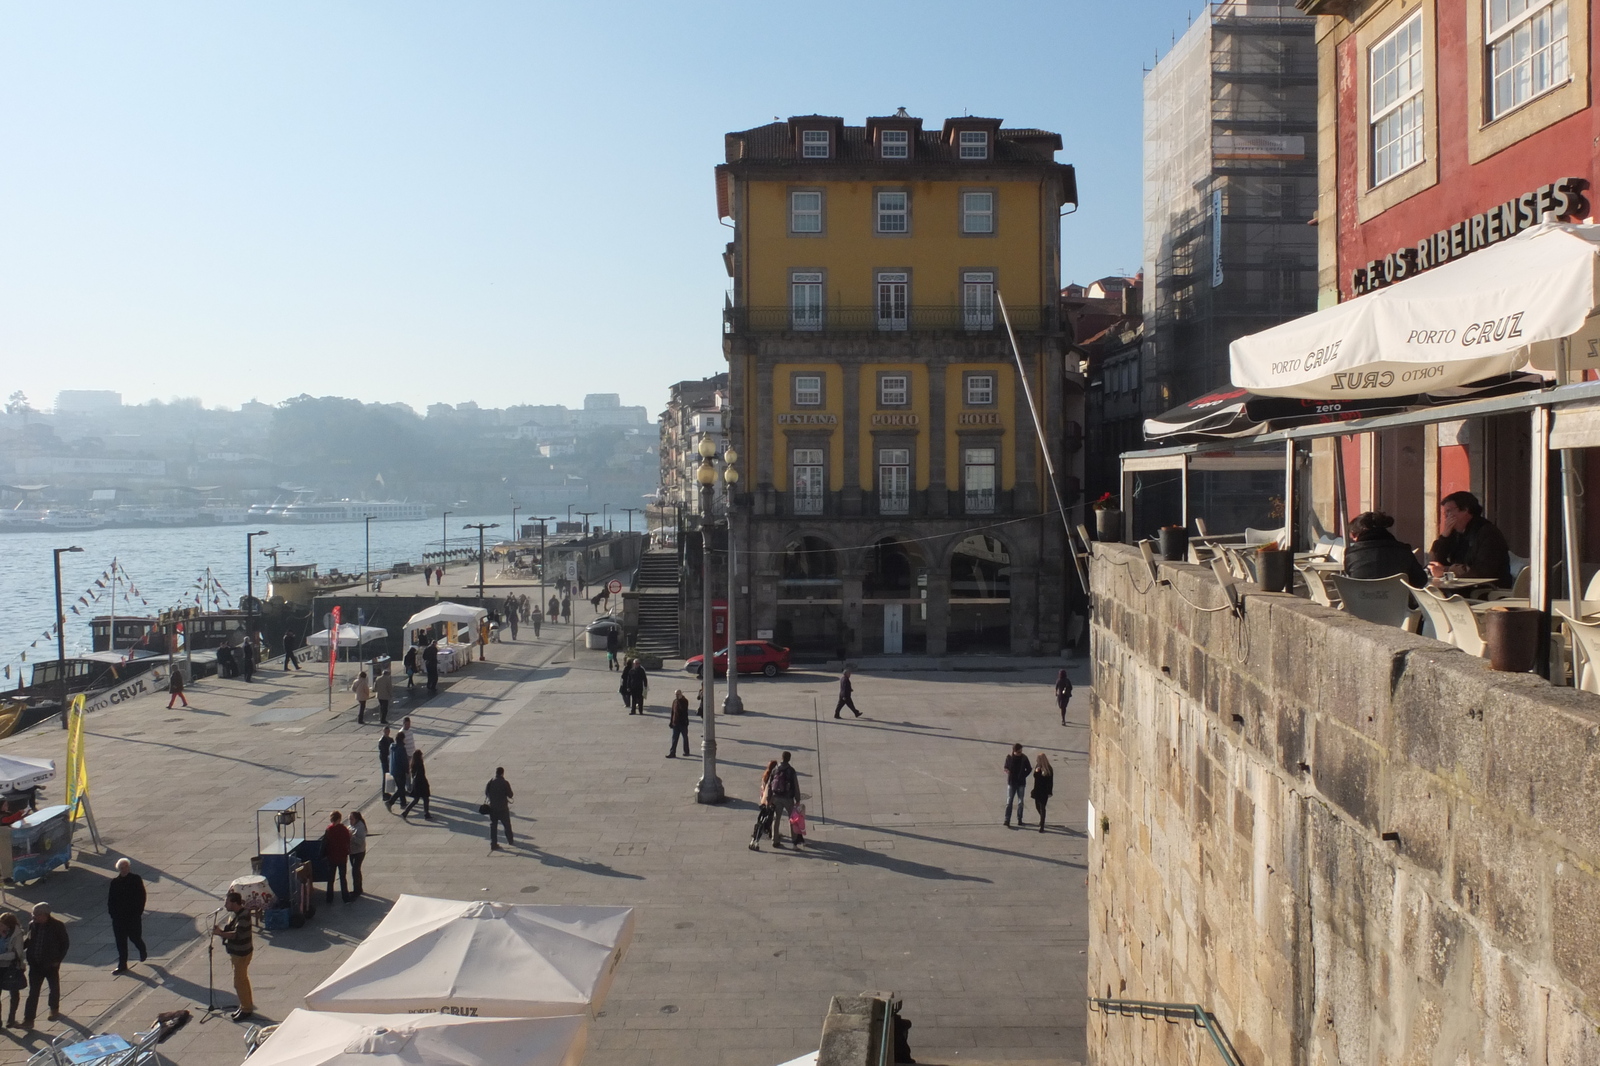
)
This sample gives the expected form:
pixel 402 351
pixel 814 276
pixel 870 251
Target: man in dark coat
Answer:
pixel 613 645
pixel 678 719
pixel 1469 545
pixel 1017 772
pixel 636 682
pixel 46 949
pixel 498 793
pixel 430 663
pixel 290 643
pixel 845 700
pixel 399 769
pixel 125 904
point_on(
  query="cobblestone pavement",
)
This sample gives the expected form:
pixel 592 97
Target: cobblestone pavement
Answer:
pixel 908 881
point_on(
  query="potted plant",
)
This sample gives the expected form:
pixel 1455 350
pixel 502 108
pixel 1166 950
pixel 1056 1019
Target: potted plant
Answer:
pixel 1107 519
pixel 1174 541
pixel 1274 568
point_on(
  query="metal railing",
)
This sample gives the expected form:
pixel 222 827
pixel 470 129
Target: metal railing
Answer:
pixel 1171 1012
pixel 867 319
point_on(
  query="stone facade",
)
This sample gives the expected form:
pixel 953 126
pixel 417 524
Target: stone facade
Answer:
pixel 1353 844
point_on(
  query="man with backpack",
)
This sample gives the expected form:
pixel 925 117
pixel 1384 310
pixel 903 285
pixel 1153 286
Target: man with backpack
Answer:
pixel 783 792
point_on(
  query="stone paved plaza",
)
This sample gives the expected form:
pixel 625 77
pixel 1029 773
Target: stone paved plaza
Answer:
pixel 908 882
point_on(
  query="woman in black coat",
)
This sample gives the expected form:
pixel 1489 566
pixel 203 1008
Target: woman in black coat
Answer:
pixel 1375 553
pixel 419 787
pixel 1044 785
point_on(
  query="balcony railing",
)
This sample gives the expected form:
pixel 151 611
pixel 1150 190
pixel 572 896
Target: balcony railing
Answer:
pixel 956 319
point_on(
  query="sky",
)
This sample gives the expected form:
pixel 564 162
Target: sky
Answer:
pixel 505 202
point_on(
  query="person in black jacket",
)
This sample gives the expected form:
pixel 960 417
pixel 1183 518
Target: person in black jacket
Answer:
pixel 1375 553
pixel 1044 786
pixel 290 643
pixel 125 904
pixel 1017 771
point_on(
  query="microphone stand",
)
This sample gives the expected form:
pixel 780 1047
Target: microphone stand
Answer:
pixel 211 964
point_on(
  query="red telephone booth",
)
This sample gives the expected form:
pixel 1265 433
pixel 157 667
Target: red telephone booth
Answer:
pixel 719 625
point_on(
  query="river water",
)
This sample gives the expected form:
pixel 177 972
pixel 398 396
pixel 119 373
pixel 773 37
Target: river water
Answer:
pixel 167 567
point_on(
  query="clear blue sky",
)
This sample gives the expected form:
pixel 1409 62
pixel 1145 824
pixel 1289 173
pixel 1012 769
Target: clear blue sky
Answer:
pixel 507 202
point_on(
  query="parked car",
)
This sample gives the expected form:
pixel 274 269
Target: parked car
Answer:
pixel 755 657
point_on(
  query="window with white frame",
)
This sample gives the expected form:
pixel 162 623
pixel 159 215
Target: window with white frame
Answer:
pixel 1395 100
pixel 892 212
pixel 808 390
pixel 977 299
pixel 1527 42
pixel 814 144
pixel 974 144
pixel 808 488
pixel 892 391
pixel 805 212
pixel 894 144
pixel 894 297
pixel 894 480
pixel 977 212
pixel 805 300
pixel 979 480
pixel 980 390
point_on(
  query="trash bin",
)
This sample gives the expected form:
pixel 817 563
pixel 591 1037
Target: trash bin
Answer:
pixel 594 641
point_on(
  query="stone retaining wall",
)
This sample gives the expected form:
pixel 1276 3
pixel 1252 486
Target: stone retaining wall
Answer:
pixel 1354 845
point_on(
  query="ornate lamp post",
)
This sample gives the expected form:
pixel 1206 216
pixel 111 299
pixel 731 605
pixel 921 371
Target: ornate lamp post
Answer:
pixel 709 789
pixel 733 704
pixel 444 542
pixel 480 527
pixel 368 574
pixel 61 640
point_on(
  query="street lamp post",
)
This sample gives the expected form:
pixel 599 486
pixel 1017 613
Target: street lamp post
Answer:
pixel 586 515
pixel 367 573
pixel 733 704
pixel 631 511
pixel 61 636
pixel 250 586
pixel 544 526
pixel 480 527
pixel 515 533
pixel 444 541
pixel 709 789
pixel 605 516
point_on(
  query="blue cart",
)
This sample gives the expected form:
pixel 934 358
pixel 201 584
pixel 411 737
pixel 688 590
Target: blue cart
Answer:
pixel 39 843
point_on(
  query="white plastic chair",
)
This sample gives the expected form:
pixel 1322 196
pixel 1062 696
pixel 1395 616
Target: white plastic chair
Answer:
pixel 1316 587
pixel 1464 631
pixel 1254 538
pixel 1433 612
pixel 1586 635
pixel 1384 600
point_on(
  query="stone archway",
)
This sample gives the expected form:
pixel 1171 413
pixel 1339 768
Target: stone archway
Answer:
pixel 894 606
pixel 810 606
pixel 979 572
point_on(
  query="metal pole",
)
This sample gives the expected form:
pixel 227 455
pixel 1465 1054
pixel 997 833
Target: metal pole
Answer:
pixel 61 636
pixel 367 573
pixel 444 541
pixel 709 788
pixel 250 584
pixel 732 704
pixel 515 535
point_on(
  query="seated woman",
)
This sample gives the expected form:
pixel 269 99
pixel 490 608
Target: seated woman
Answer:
pixel 1375 553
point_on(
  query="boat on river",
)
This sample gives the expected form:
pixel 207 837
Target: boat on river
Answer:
pixel 308 511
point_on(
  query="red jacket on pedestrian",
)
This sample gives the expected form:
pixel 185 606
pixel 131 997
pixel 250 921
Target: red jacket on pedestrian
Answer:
pixel 336 843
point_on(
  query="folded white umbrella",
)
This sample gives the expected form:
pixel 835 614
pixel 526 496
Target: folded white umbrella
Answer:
pixel 481 960
pixel 1474 318
pixel 459 613
pixel 19 771
pixel 350 636
pixel 319 1038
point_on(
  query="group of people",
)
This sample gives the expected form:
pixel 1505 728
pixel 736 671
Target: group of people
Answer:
pixel 237 660
pixel 344 849
pixel 433 575
pixel 1468 545
pixel 426 662
pixel 635 686
pixel 400 759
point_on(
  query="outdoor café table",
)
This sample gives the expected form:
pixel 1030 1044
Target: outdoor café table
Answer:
pixel 1522 601
pixel 1466 586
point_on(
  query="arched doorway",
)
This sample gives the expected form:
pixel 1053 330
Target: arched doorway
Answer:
pixel 894 604
pixel 980 595
pixel 810 607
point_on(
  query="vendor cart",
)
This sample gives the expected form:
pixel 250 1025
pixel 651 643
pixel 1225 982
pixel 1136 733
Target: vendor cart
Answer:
pixel 36 844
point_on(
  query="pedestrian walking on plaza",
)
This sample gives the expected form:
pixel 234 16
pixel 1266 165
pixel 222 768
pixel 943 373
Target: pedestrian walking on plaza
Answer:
pixel 511 619
pixel 46 949
pixel 419 788
pixel 845 690
pixel 1063 694
pixel 483 640
pixel 438 576
pixel 678 719
pixel 613 645
pixel 566 608
pixel 363 692
pixel 536 616
pixel 358 851
pixel 427 576
pixel 240 946
pixel 385 746
pixel 290 643
pixel 555 607
pixel 783 792
pixel 1017 771
pixel 410 663
pixel 336 853
pixel 430 662
pixel 764 819
pixel 407 738
pixel 498 794
pixel 622 684
pixel 399 769
pixel 175 687
pixel 13 963
pixel 638 683
pixel 1044 783
pixel 247 659
pixel 125 903
pixel 383 688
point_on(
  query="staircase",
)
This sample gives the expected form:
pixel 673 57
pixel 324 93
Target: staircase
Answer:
pixel 657 585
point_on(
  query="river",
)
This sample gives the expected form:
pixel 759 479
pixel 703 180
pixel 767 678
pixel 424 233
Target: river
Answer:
pixel 167 567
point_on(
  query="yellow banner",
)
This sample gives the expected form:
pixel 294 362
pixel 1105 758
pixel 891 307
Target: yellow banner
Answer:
pixel 77 759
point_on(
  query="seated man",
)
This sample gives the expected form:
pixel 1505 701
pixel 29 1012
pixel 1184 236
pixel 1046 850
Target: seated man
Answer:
pixel 1469 545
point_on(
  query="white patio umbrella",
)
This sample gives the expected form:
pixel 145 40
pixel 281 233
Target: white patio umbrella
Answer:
pixel 1471 319
pixel 350 636
pixel 325 1038
pixel 20 771
pixel 459 613
pixel 491 959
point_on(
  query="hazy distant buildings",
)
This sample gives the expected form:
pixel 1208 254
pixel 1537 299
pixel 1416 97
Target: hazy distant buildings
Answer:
pixel 693 407
pixel 86 401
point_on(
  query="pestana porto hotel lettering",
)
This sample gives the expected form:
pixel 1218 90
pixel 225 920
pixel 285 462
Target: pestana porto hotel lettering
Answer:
pixel 1563 198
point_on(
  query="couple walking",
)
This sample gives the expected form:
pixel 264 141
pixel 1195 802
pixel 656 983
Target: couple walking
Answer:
pixel 1017 773
pixel 780 802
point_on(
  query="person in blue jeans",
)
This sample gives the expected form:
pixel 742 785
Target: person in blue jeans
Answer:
pixel 1017 771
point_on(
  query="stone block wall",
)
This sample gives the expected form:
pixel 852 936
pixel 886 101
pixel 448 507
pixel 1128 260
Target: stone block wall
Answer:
pixel 1356 846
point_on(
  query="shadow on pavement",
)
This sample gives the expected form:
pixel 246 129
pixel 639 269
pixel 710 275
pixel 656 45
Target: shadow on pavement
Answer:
pixel 851 855
pixel 891 831
pixel 202 752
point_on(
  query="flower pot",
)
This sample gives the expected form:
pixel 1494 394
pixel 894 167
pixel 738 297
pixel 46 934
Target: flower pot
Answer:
pixel 1274 570
pixel 1512 634
pixel 1174 543
pixel 1108 524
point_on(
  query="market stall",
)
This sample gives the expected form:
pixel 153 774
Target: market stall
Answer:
pixel 353 641
pixel 454 626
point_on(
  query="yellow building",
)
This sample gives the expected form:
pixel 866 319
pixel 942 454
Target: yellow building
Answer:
pixel 894 495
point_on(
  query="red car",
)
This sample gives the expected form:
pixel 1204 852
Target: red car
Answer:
pixel 755 657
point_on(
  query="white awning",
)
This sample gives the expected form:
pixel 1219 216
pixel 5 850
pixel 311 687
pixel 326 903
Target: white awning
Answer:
pixel 325 1038
pixel 1470 319
pixel 459 613
pixel 350 636
pixel 20 771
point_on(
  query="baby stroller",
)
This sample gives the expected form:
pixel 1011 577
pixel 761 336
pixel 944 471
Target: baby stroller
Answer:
pixel 763 826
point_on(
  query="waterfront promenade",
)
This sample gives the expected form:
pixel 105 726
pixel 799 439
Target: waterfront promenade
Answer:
pixel 908 883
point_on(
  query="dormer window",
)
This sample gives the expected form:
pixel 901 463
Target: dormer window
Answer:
pixel 814 144
pixel 894 144
pixel 974 144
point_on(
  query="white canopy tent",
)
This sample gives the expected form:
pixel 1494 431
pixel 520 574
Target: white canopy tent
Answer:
pixel 19 771
pixel 325 1038
pixel 350 636
pixel 492 959
pixel 459 613
pixel 1489 313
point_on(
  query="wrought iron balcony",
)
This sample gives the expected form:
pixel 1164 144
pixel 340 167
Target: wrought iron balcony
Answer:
pixel 869 319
